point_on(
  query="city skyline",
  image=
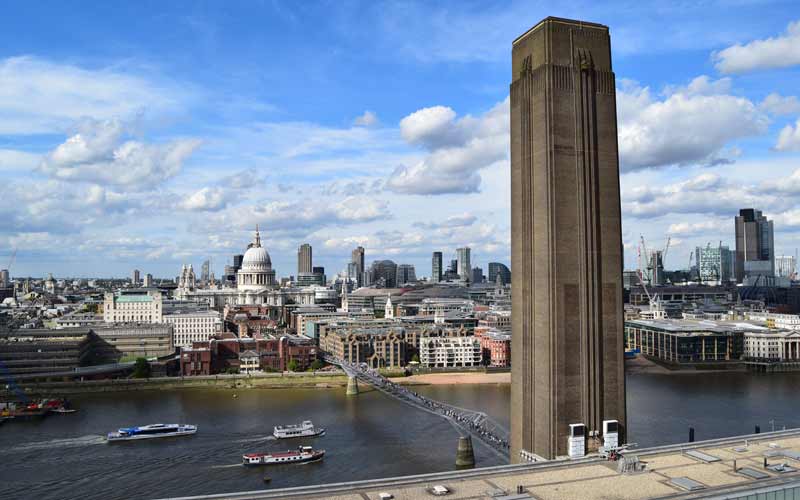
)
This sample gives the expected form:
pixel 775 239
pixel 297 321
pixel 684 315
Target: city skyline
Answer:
pixel 140 158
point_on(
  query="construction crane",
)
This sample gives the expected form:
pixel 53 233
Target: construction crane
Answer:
pixel 651 299
pixel 654 261
pixel 643 248
pixel 11 260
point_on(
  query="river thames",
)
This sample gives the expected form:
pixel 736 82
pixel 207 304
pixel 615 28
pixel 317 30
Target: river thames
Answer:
pixel 369 436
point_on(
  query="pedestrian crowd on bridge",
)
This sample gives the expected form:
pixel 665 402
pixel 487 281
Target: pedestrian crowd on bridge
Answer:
pixel 471 422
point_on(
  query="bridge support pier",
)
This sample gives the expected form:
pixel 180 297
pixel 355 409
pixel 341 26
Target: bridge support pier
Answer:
pixel 465 457
pixel 352 386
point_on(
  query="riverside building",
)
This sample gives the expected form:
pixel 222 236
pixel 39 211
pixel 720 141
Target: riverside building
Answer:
pixel 450 352
pixel 193 326
pixel 379 348
pixel 495 347
pixel 192 322
pixel 231 353
pixel 772 346
pixel 35 351
pixel 680 341
pixel 134 341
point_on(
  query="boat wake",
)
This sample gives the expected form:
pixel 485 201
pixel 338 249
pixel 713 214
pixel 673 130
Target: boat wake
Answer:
pixel 256 439
pixel 60 443
pixel 225 466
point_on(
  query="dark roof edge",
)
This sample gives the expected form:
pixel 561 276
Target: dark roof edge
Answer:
pixel 561 20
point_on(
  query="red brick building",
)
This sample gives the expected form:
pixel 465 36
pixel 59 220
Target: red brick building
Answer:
pixel 223 353
pixel 195 361
pixel 247 321
pixel 496 347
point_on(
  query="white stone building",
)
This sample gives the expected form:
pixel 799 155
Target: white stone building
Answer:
pixel 143 307
pixel 187 280
pixel 449 352
pixel 443 307
pixel 194 326
pixel 772 345
pixel 79 319
pixel 775 320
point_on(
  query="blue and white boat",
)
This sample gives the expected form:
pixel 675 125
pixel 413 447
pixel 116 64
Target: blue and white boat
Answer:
pixel 151 432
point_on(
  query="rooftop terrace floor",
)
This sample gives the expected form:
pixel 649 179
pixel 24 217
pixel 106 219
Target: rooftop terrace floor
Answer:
pixel 592 477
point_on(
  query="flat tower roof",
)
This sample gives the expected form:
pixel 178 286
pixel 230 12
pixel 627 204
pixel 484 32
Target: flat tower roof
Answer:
pixel 561 20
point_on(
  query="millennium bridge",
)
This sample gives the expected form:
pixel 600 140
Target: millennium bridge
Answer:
pixel 469 423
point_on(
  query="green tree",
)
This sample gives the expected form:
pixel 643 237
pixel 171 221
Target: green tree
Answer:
pixel 293 365
pixel 141 368
pixel 317 364
pixel 415 358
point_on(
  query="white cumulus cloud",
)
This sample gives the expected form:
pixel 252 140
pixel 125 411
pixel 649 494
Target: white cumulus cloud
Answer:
pixel 100 154
pixel 690 125
pixel 457 149
pixel 301 217
pixel 705 227
pixel 206 199
pixel 454 221
pixel 789 138
pixel 707 194
pixel 776 52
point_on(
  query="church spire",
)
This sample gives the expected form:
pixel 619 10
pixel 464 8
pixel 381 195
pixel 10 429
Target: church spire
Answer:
pixel 258 238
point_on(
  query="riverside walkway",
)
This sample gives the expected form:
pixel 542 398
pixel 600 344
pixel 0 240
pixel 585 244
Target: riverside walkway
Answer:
pixel 467 422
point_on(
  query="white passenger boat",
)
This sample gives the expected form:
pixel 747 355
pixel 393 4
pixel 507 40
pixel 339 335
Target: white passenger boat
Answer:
pixel 306 429
pixel 302 454
pixel 151 432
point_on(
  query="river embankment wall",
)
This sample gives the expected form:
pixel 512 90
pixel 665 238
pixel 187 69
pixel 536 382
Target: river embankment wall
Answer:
pixel 252 381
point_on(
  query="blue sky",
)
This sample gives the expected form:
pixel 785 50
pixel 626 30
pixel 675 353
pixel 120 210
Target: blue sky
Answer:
pixel 150 134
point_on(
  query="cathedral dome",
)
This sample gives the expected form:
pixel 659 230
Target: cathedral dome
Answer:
pixel 256 257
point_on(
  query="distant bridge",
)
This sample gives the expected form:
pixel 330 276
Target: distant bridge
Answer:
pixel 473 423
